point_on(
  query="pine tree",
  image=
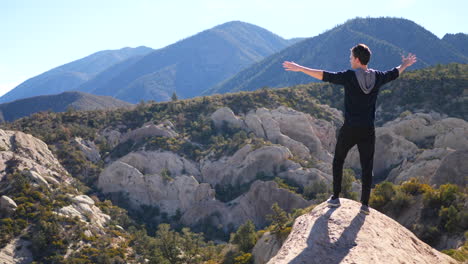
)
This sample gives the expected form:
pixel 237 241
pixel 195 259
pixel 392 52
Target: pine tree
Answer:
pixel 174 97
pixel 279 218
pixel 245 236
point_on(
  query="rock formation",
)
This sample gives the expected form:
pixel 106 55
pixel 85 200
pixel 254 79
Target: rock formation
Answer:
pixel 7 206
pixel 253 205
pixel 244 166
pixel 266 248
pixel 302 134
pixel 28 152
pixel 343 235
pixel 83 207
pixel 89 149
pixel 139 175
pixel 164 129
pixel 16 252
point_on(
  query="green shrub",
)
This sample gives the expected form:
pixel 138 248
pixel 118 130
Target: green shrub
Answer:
pixel 245 236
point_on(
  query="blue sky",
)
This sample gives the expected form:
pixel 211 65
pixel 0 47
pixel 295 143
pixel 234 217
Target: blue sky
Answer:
pixel 38 35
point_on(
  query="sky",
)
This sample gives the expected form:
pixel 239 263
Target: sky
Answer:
pixel 38 35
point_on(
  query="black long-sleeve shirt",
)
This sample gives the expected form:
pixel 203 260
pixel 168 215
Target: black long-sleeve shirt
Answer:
pixel 359 103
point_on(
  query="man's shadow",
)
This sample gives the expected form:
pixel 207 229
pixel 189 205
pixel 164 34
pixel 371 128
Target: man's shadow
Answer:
pixel 329 252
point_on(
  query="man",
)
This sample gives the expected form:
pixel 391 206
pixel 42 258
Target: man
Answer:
pixel 361 86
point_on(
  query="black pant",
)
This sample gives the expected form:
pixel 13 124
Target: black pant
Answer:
pixel 348 136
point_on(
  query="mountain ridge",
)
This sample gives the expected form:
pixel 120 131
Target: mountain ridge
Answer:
pixel 330 50
pixel 70 75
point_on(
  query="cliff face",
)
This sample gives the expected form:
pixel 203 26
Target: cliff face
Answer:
pixel 343 235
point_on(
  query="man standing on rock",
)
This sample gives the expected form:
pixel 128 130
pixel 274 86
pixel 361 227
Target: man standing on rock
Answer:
pixel 361 86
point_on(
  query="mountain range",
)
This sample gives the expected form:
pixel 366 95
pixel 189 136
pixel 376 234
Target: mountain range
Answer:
pixel 71 75
pixel 238 56
pixel 388 39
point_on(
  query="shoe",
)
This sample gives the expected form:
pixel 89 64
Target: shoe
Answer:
pixel 333 202
pixel 365 209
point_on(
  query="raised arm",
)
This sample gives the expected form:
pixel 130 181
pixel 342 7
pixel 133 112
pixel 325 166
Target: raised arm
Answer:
pixel 292 66
pixel 406 62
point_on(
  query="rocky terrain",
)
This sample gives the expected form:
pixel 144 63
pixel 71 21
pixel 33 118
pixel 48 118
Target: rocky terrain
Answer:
pixel 343 235
pixel 284 153
pixel 35 162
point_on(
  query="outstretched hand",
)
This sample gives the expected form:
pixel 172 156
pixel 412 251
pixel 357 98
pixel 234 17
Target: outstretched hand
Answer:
pixel 291 66
pixel 408 60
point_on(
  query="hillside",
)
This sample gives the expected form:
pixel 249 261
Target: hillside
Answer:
pixel 458 41
pixel 71 75
pixel 57 103
pixel 237 168
pixel 386 37
pixel 190 65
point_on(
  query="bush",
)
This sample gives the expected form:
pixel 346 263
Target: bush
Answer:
pixel 414 187
pixel 381 195
pixel 315 188
pixel 400 200
pixel 245 236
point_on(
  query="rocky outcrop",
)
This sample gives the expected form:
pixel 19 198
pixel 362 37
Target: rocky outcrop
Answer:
pixel 28 152
pixel 164 129
pixel 160 179
pixel 453 169
pixel 432 130
pixel 36 178
pixel 16 252
pixel 111 135
pixel 302 134
pixel 455 136
pixel 244 166
pixel 89 149
pixel 225 116
pixel 306 176
pixel 83 207
pixel 254 205
pixel 266 248
pixel 152 162
pixel 7 206
pixel 390 150
pixel 343 235
pixel 423 166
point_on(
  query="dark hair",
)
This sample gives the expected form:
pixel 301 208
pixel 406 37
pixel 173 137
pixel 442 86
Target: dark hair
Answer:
pixel 362 52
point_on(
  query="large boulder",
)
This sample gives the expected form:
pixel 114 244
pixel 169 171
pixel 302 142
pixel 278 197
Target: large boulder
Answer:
pixel 432 130
pixel 245 165
pixel 83 208
pixel 306 176
pixel 266 248
pixel 343 235
pixel 453 169
pixel 152 162
pixel 89 149
pixel 456 138
pixel 225 116
pixel 155 179
pixel 7 206
pixel 423 166
pixel 164 129
pixel 417 128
